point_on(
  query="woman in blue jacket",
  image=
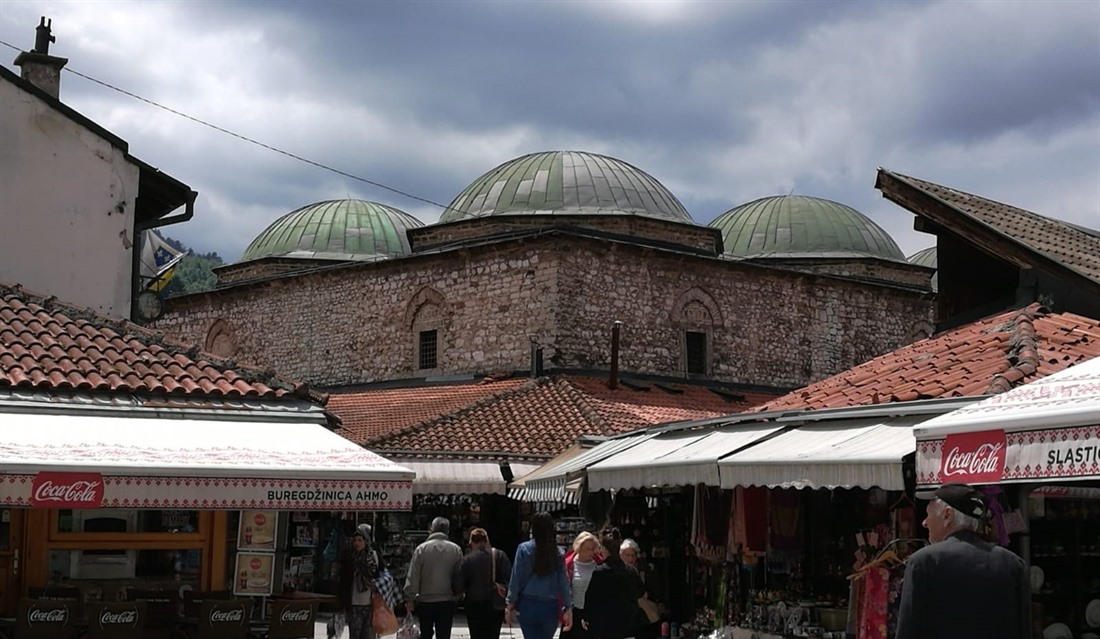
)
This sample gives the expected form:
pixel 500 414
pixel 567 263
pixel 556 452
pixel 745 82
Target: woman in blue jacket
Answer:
pixel 538 592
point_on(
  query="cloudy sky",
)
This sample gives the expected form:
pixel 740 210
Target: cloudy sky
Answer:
pixel 723 102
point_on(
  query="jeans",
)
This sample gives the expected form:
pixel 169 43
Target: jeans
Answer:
pixel 538 618
pixel 484 621
pixel 435 618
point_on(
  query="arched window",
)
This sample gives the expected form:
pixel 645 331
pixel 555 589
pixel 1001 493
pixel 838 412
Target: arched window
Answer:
pixel 696 317
pixel 221 339
pixel 426 318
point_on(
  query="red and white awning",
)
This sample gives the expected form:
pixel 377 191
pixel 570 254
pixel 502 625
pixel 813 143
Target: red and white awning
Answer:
pixel 1048 429
pixel 64 460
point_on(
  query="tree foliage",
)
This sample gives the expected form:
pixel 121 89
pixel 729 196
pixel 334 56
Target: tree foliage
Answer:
pixel 194 273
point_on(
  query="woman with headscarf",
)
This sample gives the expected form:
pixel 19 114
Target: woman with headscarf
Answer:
pixel 358 571
pixel 538 592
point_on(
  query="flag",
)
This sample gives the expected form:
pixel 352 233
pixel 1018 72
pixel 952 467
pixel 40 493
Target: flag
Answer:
pixel 158 261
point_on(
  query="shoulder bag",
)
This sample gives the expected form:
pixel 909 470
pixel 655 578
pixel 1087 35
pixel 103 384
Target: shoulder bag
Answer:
pixel 496 591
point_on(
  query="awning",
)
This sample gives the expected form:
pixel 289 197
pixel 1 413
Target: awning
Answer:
pixel 551 485
pixel 66 460
pixel 518 489
pixel 682 458
pixel 843 453
pixel 1048 429
pixel 458 477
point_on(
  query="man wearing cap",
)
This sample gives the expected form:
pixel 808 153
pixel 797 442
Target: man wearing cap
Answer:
pixel 961 586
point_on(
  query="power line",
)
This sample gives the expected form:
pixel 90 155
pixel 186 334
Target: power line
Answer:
pixel 248 139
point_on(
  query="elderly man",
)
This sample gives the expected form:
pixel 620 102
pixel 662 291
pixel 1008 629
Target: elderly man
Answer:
pixel 962 587
pixel 434 584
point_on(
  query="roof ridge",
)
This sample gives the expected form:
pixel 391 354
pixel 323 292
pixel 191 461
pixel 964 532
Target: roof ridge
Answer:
pixel 461 412
pixel 581 400
pixel 150 338
pixel 1023 349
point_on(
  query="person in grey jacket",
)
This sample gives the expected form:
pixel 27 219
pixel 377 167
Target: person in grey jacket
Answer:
pixel 434 583
pixel 963 587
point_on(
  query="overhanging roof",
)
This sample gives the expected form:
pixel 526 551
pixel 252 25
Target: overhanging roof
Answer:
pixel 675 458
pixel 841 453
pixel 550 485
pixel 158 461
pixel 456 477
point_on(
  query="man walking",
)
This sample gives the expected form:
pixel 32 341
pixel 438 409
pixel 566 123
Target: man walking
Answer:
pixel 434 583
pixel 963 587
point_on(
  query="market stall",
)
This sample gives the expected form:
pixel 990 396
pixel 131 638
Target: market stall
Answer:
pixel 1036 448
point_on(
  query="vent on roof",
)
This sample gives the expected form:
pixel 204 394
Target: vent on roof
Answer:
pixel 669 389
pixel 729 397
pixel 633 386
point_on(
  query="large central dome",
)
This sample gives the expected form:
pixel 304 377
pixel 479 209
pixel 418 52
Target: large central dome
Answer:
pixel 565 183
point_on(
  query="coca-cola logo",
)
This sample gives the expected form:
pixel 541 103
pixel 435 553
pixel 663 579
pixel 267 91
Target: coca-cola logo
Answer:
pixel 122 617
pixel 291 616
pixel 51 615
pixel 227 616
pixel 67 490
pixel 260 519
pixel 255 563
pixel 974 457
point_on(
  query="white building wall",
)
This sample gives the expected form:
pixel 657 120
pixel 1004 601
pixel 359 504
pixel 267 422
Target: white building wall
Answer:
pixel 66 206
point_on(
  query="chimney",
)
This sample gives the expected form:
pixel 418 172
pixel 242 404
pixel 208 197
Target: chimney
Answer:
pixel 39 67
pixel 613 379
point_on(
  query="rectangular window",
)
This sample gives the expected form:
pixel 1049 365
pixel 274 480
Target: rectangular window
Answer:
pixel 428 345
pixel 696 350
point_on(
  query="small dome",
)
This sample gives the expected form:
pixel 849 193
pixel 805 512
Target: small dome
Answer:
pixel 336 229
pixel 801 226
pixel 565 182
pixel 927 257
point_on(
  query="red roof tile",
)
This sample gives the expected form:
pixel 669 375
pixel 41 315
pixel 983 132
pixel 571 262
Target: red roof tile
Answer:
pixel 534 418
pixel 47 345
pixel 986 357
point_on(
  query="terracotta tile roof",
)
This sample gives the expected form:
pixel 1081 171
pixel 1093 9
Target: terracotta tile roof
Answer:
pixel 46 345
pixel 1072 247
pixel 986 357
pixel 369 414
pixel 531 418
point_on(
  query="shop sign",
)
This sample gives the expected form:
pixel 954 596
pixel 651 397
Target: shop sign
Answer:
pixel 995 456
pixel 974 457
pixel 67 490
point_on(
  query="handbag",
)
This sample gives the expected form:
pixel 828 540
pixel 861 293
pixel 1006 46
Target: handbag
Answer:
pixel 382 619
pixel 496 594
pixel 649 607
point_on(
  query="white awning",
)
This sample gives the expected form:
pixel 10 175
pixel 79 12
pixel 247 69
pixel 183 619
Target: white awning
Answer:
pixel 842 453
pixel 1048 429
pixel 551 485
pixel 518 489
pixel 682 458
pixel 144 461
pixel 457 477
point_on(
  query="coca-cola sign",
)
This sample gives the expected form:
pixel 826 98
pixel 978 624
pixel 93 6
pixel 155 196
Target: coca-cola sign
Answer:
pixel 118 618
pixel 236 615
pixel 67 490
pixel 294 616
pixel 974 457
pixel 47 615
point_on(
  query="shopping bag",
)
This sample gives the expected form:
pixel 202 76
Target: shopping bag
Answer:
pixel 649 607
pixel 382 618
pixel 409 628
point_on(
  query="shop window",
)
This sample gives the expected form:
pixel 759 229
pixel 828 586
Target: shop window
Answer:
pixel 426 352
pixel 118 520
pixel 151 566
pixel 695 351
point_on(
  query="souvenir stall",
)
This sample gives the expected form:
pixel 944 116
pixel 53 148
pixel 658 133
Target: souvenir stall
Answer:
pixel 1036 449
pixel 110 503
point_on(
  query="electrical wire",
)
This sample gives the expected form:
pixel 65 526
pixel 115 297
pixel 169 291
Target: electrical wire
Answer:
pixel 248 139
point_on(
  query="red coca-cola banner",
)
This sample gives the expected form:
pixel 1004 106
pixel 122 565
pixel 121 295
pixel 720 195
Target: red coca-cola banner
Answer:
pixel 974 457
pixel 67 490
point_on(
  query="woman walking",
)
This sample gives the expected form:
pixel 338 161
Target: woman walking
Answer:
pixel 580 562
pixel 613 593
pixel 358 571
pixel 649 620
pixel 538 592
pixel 485 574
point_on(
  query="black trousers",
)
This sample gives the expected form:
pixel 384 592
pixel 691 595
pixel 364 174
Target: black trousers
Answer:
pixel 435 618
pixel 484 621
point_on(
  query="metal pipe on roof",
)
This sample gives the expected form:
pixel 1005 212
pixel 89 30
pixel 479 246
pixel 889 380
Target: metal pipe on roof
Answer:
pixel 613 379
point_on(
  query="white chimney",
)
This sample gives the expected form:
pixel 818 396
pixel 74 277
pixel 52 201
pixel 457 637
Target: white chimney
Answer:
pixel 39 67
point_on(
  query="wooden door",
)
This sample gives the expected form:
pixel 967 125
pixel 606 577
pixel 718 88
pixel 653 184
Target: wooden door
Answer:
pixel 11 548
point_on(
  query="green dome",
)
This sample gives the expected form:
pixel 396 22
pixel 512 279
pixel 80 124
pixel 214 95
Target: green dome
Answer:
pixel 336 229
pixel 562 183
pixel 927 257
pixel 800 226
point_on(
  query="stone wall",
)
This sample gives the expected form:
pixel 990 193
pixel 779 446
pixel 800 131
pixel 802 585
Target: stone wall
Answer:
pixel 359 323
